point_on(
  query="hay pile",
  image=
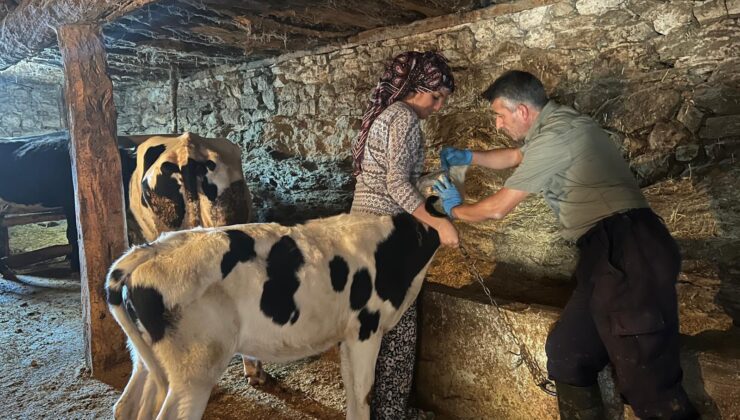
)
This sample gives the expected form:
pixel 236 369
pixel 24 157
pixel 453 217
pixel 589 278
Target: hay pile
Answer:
pixel 24 238
pixel 685 207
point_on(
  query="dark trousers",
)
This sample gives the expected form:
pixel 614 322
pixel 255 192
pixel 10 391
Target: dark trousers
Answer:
pixel 624 310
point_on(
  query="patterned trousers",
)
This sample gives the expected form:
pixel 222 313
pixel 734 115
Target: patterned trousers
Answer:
pixel 394 370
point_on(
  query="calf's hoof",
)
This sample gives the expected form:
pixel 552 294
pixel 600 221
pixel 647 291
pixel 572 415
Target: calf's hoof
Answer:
pixel 254 372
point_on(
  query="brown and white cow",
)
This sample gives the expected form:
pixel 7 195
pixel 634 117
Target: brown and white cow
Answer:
pixel 187 181
pixel 171 182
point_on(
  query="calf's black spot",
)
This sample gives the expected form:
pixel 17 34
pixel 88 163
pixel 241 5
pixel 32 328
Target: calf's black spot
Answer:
pixel 339 271
pixel 241 248
pixel 146 305
pixel 116 275
pixel 361 289
pixel 401 256
pixel 368 323
pixel 113 293
pixel 113 296
pixel 283 263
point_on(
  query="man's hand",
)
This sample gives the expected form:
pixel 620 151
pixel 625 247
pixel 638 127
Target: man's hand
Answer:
pixel 449 156
pixel 448 193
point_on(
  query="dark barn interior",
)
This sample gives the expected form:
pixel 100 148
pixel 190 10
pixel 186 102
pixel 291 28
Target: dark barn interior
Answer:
pixel 288 82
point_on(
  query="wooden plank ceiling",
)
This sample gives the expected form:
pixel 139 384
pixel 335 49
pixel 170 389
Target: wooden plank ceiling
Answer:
pixel 144 38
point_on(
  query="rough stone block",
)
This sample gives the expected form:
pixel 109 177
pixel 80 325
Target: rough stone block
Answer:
pixel 709 11
pixel 268 99
pixel 249 101
pixel 637 110
pixel 687 152
pixel 733 7
pixel 706 46
pixel 719 99
pixel 597 7
pixel 721 127
pixel 532 18
pixel 667 135
pixel 467 370
pixel 690 117
pixel 669 17
pixel 650 167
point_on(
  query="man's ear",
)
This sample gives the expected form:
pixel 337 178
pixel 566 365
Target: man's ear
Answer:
pixel 524 111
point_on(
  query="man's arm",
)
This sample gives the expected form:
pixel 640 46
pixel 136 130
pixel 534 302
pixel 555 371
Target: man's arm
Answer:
pixel 498 158
pixel 495 206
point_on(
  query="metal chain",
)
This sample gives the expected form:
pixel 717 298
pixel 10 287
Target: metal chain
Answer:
pixel 525 357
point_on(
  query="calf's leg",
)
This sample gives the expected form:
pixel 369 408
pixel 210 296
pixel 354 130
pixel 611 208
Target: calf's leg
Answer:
pixel 253 371
pixel 358 373
pixel 186 401
pixel 151 399
pixel 127 405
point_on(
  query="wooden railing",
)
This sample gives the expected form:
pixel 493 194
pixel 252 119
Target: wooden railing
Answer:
pixel 31 257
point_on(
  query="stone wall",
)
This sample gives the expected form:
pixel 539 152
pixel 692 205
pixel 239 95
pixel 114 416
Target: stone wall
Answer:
pixel 28 108
pixel 144 109
pixel 662 77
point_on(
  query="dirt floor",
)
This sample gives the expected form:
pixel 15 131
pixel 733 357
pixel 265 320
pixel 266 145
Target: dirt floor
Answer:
pixel 44 376
pixel 43 371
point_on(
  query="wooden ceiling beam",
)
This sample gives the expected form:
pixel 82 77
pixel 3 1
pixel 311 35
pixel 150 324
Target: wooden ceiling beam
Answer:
pixel 31 26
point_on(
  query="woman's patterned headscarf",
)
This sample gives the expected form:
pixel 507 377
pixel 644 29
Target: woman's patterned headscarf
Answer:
pixel 411 71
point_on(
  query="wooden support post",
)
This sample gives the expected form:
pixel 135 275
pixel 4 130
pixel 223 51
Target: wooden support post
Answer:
pixel 174 83
pixel 96 174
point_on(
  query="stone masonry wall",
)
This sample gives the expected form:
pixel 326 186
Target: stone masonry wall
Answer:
pixel 28 109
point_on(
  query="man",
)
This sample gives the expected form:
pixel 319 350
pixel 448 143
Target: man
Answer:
pixel 624 308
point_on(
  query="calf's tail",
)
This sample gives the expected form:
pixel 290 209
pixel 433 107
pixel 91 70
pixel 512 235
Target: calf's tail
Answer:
pixel 116 287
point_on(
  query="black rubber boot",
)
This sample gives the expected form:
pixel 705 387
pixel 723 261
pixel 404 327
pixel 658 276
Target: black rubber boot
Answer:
pixel 579 402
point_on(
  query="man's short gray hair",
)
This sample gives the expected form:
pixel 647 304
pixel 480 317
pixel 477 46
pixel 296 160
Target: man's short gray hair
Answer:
pixel 518 87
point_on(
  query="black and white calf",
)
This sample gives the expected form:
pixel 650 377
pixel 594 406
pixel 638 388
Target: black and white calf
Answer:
pixel 191 300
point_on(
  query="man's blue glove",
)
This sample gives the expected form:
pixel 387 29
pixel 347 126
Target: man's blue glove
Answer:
pixel 449 156
pixel 448 193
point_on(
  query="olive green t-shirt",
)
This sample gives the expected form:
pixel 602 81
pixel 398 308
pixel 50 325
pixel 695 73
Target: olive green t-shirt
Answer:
pixel 578 169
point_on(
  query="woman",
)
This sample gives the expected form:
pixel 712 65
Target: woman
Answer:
pixel 388 159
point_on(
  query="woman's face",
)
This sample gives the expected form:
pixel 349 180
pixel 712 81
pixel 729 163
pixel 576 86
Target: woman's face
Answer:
pixel 427 103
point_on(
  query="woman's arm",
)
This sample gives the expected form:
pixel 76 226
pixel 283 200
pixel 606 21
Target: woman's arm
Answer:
pixel 448 235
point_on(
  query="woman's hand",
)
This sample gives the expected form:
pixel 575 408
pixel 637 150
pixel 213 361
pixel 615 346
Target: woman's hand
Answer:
pixel 448 235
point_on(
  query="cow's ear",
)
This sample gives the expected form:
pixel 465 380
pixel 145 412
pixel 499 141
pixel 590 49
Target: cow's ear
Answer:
pixel 430 207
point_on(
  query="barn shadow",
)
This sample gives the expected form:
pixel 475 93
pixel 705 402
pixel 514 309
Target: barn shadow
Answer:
pixel 307 387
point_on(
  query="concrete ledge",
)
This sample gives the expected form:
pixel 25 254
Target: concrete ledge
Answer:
pixel 465 370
